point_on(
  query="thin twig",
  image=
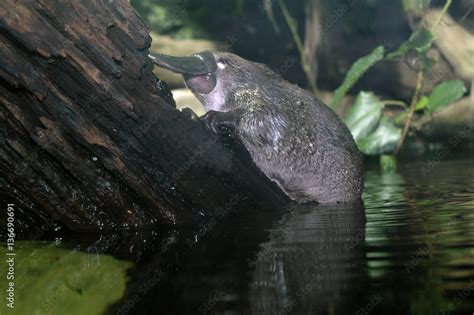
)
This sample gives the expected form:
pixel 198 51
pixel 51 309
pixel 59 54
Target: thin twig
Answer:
pixel 464 17
pixel 419 85
pixel 414 101
pixel 395 102
pixel 441 15
pixel 292 26
pixel 471 106
pixel 299 44
pixel 472 92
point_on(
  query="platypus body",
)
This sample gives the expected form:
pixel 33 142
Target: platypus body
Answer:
pixel 296 140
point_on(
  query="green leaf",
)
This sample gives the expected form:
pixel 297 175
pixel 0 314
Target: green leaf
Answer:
pixel 419 42
pixel 388 163
pixel 422 103
pixel 427 62
pixel 355 72
pixel 444 94
pixel 54 280
pixel 365 115
pixel 383 140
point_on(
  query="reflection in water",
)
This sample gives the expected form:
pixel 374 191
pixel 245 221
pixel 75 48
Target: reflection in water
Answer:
pixel 420 238
pixel 311 261
pixel 297 260
pixel 410 251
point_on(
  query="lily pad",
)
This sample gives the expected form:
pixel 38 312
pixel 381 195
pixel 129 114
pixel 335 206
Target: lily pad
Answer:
pixel 53 280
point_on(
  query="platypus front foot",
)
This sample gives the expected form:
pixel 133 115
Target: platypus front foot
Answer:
pixel 189 113
pixel 220 122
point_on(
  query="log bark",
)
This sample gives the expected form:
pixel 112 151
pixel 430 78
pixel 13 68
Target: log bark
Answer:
pixel 90 138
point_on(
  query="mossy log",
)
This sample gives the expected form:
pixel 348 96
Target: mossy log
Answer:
pixel 90 138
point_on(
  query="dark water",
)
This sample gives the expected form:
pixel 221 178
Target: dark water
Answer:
pixel 409 249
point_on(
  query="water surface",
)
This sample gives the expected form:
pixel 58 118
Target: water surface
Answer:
pixel 408 249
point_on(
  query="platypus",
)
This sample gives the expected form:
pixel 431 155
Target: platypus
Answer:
pixel 295 139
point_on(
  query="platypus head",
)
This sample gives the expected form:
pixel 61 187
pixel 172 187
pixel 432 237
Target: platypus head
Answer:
pixel 215 77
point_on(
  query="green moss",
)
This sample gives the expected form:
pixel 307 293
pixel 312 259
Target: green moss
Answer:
pixel 53 280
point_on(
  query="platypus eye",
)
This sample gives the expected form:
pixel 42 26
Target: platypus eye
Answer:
pixel 222 63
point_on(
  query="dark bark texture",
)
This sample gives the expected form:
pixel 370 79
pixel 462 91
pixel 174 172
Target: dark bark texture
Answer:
pixel 90 138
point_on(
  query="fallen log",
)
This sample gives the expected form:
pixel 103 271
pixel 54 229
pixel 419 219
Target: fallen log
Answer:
pixel 90 138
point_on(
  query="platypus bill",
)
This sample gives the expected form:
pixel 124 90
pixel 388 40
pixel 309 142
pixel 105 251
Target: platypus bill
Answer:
pixel 296 140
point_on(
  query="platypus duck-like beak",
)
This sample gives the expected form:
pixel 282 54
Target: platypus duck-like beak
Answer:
pixel 198 70
pixel 198 64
